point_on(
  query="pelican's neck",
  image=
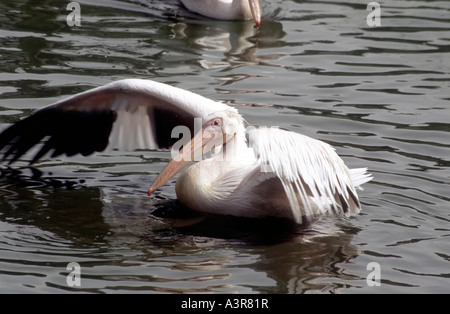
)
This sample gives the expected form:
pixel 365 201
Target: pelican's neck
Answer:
pixel 199 187
pixel 236 148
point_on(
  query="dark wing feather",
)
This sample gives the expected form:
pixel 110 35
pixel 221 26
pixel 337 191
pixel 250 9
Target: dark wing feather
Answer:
pixel 60 131
pixel 124 114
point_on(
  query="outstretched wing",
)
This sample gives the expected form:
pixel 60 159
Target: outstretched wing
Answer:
pixel 315 179
pixel 127 114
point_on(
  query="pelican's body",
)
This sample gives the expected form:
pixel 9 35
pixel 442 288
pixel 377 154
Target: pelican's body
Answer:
pixel 226 9
pixel 250 172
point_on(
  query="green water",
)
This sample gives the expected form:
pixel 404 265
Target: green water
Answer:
pixel 380 95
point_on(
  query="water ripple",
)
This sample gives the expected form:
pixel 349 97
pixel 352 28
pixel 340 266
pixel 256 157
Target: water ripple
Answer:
pixel 379 95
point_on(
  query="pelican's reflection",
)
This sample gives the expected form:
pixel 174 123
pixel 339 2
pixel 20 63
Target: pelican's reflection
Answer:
pixel 199 254
pixel 282 257
pixel 236 42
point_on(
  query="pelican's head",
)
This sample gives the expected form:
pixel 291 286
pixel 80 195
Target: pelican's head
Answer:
pixel 226 123
pixel 218 129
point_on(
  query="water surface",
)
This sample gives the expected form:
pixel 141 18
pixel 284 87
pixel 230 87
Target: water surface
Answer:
pixel 379 95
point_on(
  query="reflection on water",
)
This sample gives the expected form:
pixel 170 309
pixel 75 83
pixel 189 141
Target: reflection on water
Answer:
pixel 238 42
pixel 60 214
pixel 379 95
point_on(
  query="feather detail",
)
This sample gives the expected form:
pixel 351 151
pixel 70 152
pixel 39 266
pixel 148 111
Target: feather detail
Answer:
pixel 314 177
pixel 126 114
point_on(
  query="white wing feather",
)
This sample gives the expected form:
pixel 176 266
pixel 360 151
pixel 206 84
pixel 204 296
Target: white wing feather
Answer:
pixel 126 114
pixel 131 99
pixel 314 177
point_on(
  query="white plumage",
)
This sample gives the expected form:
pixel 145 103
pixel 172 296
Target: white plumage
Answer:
pixel 226 9
pixel 253 172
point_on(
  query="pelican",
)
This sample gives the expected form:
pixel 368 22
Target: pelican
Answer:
pixel 226 9
pixel 240 171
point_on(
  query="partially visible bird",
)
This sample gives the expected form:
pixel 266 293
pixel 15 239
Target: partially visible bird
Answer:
pixel 226 9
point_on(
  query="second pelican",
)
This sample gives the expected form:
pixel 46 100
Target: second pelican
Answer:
pixel 226 9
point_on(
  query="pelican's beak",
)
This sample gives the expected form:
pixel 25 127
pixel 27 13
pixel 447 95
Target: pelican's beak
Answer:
pixel 255 7
pixel 202 143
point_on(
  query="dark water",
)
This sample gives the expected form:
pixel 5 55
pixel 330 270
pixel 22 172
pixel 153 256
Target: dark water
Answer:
pixel 380 95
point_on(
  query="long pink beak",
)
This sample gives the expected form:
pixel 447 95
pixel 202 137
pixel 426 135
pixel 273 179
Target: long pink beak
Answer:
pixel 255 8
pixel 193 150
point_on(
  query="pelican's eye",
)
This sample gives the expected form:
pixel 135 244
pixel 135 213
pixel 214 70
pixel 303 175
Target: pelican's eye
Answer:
pixel 214 122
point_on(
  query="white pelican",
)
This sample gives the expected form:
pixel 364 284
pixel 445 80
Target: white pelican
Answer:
pixel 226 9
pixel 253 172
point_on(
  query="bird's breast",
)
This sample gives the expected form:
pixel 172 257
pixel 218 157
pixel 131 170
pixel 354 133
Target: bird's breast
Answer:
pixel 195 186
